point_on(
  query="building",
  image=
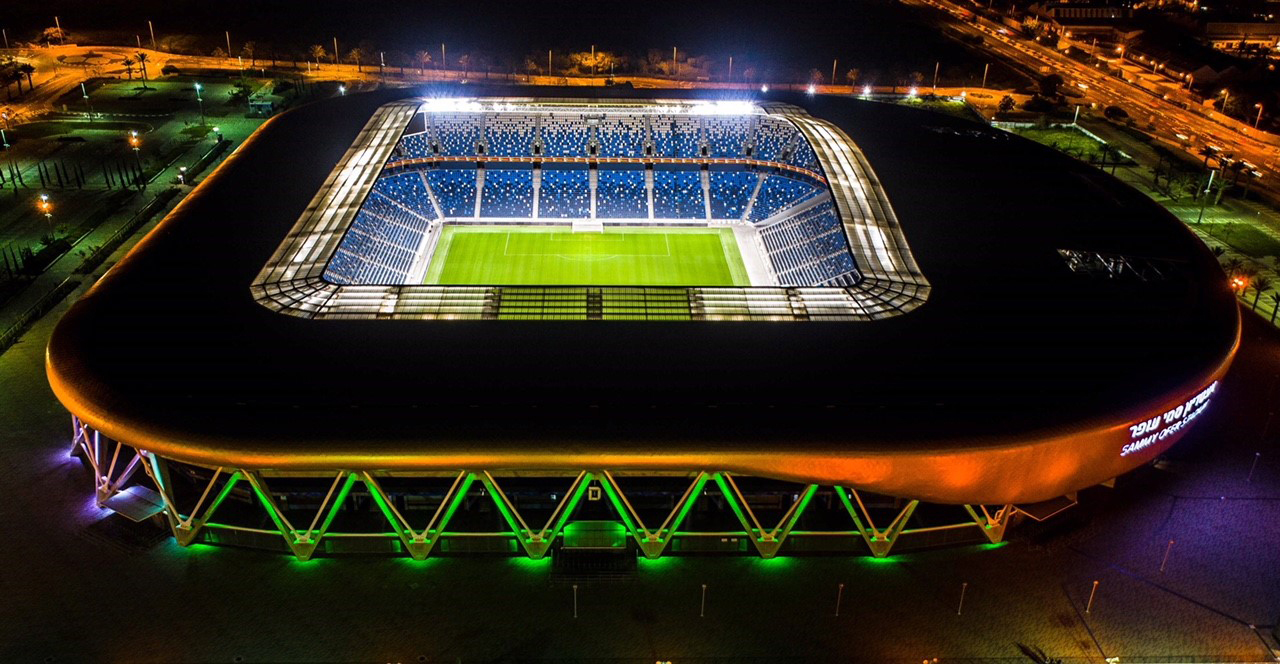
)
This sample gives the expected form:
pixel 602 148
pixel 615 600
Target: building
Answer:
pixel 936 329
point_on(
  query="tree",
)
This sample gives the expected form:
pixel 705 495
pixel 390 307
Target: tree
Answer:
pixel 465 62
pixel 128 66
pixel 248 51
pixel 815 77
pixel 357 56
pixel 142 59
pixel 52 34
pixel 851 77
pixel 218 53
pixel 1007 104
pixel 1275 303
pixel 1049 85
pixel 27 69
pixel 1233 266
pixel 1260 286
pixel 1207 152
pixel 317 53
pixel 423 58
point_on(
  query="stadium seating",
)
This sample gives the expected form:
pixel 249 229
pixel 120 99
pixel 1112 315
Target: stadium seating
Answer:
pixel 565 194
pixel 413 146
pixel 564 136
pixel 805 245
pixel 730 193
pixel 770 138
pixel 510 134
pixel 803 156
pixel 455 190
pixel 621 195
pixel 621 136
pixel 675 137
pixel 810 249
pixel 778 193
pixel 386 234
pixel 726 135
pixel 502 134
pixel 507 193
pixel 678 195
pixel 458 133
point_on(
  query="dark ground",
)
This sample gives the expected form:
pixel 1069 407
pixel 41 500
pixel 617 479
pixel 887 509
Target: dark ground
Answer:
pixel 75 590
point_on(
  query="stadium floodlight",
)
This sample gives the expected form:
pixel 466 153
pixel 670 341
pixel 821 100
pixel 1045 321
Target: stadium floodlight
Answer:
pixel 723 108
pixel 450 104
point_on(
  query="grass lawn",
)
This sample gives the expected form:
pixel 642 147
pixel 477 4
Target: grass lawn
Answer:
pixel 1244 238
pixel 1064 139
pixel 953 108
pixel 555 256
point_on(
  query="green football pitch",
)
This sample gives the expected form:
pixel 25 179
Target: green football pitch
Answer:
pixel 555 256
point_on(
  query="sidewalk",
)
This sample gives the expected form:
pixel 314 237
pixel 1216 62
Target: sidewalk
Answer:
pixel 61 275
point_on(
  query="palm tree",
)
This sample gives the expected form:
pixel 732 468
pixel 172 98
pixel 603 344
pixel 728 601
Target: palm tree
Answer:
pixel 1232 266
pixel 851 77
pixel 1253 175
pixel 1217 250
pixel 1260 285
pixel 318 53
pixel 128 66
pixel 1275 303
pixel 142 62
pixel 28 69
pixel 248 50
pixel 1207 152
pixel 356 55
pixel 465 63
pixel 423 59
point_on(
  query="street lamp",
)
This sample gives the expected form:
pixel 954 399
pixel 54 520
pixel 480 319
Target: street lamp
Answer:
pixel 4 141
pixel 45 207
pixel 182 175
pixel 1226 96
pixel 1258 119
pixel 200 100
pixel 86 101
pixel 342 90
pixel 135 142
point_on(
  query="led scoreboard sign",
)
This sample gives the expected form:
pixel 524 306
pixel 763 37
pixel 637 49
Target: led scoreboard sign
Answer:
pixel 1149 432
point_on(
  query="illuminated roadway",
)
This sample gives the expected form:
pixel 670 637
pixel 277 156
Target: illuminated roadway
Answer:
pixel 1143 105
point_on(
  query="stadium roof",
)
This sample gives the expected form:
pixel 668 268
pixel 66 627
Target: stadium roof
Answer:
pixel 1066 307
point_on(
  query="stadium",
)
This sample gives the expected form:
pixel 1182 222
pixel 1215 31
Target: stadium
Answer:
pixel 601 323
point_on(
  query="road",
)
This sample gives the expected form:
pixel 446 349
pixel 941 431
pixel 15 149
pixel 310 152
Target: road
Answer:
pixel 1172 122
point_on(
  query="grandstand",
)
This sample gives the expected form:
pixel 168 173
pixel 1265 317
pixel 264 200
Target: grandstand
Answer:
pixel 602 169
